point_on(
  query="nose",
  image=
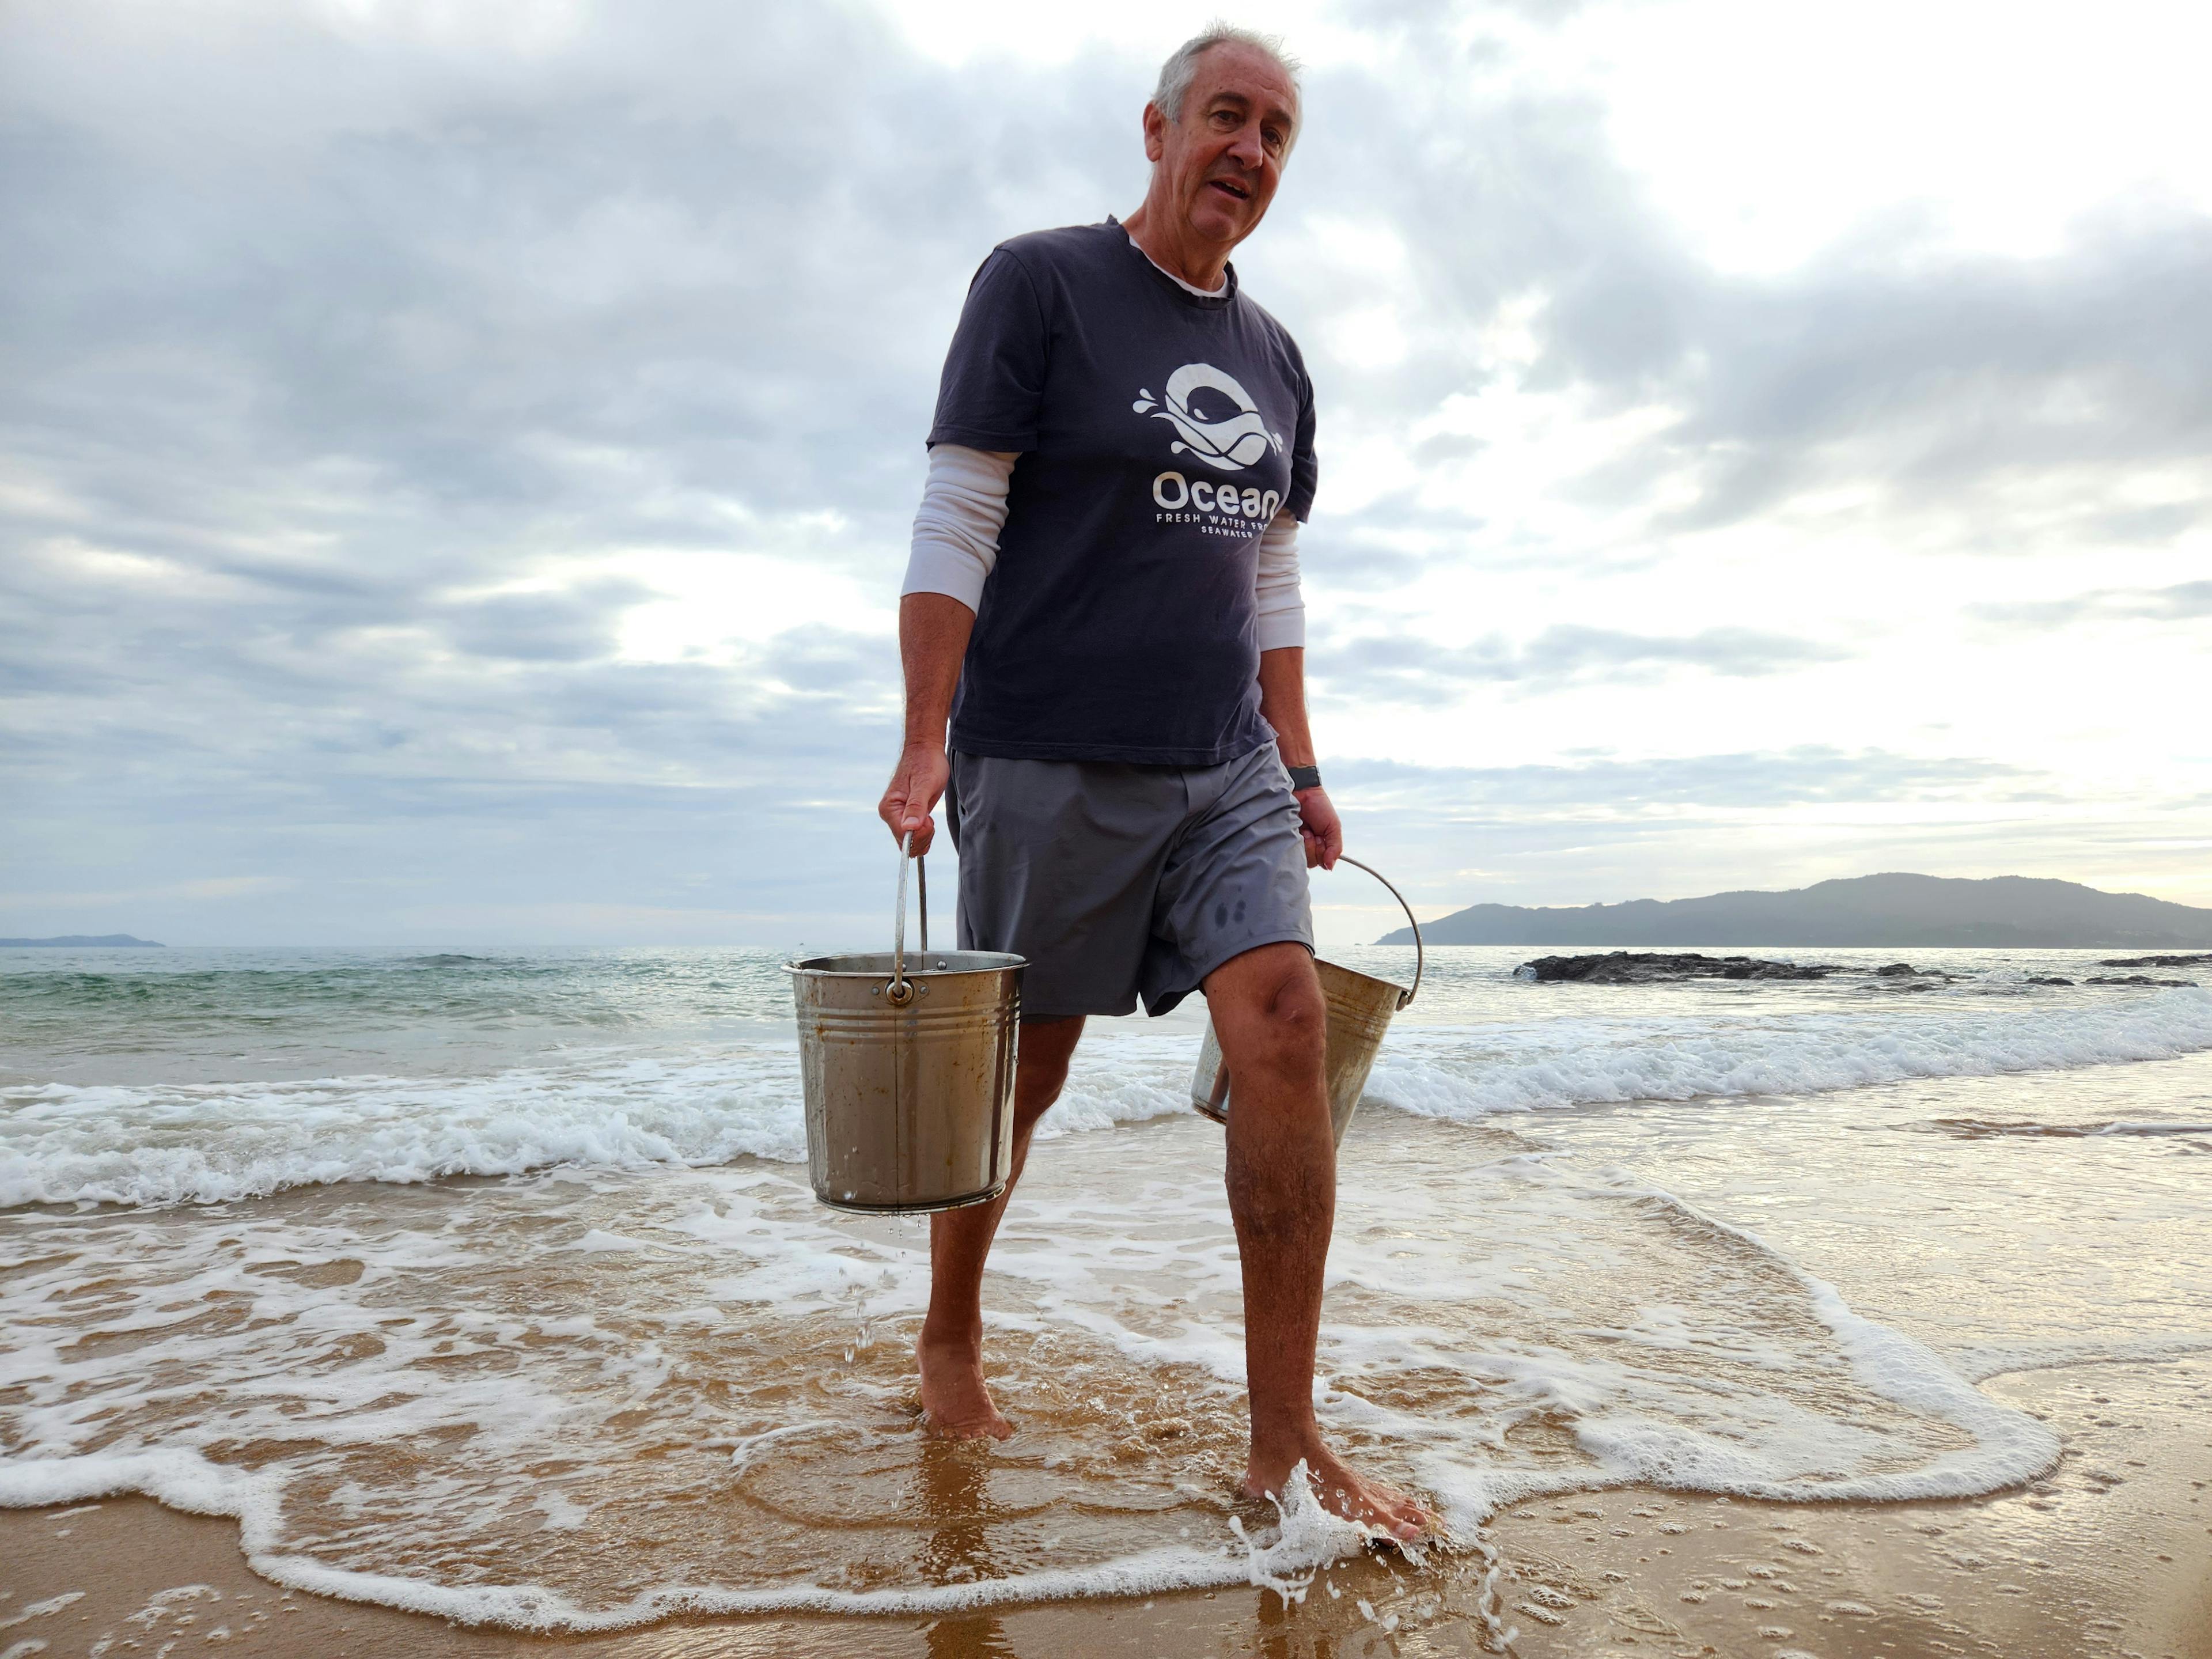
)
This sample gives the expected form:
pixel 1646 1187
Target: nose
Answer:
pixel 1248 150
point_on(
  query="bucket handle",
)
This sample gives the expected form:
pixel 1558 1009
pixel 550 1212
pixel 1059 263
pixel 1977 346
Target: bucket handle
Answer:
pixel 1421 957
pixel 901 991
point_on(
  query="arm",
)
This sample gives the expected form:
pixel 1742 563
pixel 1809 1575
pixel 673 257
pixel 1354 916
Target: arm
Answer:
pixel 1282 636
pixel 1283 704
pixel 955 547
pixel 934 631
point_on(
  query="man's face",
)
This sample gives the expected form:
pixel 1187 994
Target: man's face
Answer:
pixel 1222 160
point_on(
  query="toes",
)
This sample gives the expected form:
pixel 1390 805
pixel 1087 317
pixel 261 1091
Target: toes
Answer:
pixel 1402 1521
pixel 1395 1513
pixel 1413 1521
pixel 1370 1503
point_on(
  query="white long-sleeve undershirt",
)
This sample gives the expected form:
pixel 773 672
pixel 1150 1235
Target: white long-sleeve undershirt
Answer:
pixel 964 509
pixel 1219 290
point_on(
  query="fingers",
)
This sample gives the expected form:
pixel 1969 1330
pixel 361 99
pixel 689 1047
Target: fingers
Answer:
pixel 1322 829
pixel 1322 850
pixel 913 791
pixel 891 809
pixel 903 818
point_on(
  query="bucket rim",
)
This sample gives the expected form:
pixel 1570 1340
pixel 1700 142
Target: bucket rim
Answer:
pixel 917 1206
pixel 1372 979
pixel 993 962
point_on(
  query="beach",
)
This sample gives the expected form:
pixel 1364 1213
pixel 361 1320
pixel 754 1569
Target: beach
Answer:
pixel 2080 1564
pixel 1831 1318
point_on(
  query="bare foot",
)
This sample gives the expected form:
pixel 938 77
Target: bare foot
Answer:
pixel 955 1402
pixel 1340 1490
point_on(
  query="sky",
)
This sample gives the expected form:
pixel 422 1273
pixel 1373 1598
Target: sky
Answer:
pixel 457 460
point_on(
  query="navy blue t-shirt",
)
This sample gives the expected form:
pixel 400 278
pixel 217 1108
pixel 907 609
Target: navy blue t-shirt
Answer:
pixel 1159 432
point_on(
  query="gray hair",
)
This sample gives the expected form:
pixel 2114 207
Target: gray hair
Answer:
pixel 1181 68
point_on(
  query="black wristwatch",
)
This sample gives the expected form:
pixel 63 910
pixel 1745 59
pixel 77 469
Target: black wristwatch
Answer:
pixel 1305 777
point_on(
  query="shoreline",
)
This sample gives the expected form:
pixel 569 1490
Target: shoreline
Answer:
pixel 2110 1553
pixel 562 1383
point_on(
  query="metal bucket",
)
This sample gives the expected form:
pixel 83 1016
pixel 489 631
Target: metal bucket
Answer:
pixel 909 1069
pixel 1359 1010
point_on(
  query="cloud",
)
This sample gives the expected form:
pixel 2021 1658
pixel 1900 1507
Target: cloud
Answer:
pixel 574 625
pixel 2013 401
pixel 471 466
pixel 2183 602
pixel 1393 667
pixel 217 889
pixel 1955 380
pixel 1809 774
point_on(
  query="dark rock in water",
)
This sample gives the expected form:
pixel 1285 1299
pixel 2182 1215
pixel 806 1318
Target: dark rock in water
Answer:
pixel 1921 979
pixel 1647 968
pixel 2139 979
pixel 2047 979
pixel 2154 961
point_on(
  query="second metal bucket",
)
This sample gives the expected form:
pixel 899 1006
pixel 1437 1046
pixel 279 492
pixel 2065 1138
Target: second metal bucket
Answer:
pixel 908 1063
pixel 1359 1010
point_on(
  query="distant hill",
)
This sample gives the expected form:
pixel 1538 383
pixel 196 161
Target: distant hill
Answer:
pixel 2019 911
pixel 81 941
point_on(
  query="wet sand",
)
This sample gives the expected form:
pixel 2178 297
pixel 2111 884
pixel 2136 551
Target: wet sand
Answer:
pixel 591 1395
pixel 2112 1553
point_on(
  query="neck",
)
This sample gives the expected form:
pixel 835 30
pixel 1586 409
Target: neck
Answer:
pixel 1168 242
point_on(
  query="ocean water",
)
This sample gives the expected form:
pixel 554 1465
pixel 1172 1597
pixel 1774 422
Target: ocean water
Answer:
pixel 490 1285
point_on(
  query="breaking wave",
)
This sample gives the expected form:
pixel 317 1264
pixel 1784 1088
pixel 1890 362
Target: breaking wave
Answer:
pixel 708 1104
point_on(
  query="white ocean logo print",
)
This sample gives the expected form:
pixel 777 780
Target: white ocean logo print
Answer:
pixel 1232 444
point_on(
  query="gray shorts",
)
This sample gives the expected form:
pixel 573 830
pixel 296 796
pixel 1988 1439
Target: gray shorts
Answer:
pixel 1115 879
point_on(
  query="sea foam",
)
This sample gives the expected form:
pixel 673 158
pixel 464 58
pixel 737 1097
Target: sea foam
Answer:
pixel 1468 1072
pixel 589 1404
pixel 215 1143
pixel 708 1104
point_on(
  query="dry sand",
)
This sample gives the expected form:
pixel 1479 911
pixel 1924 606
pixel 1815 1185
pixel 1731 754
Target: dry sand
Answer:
pixel 2110 1555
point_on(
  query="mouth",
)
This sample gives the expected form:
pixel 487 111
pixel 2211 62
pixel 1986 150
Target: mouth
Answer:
pixel 1231 188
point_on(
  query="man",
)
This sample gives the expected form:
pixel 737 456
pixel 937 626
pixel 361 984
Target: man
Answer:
pixel 1103 601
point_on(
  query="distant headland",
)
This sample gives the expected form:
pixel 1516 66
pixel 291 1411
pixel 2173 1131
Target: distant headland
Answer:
pixel 2021 912
pixel 81 942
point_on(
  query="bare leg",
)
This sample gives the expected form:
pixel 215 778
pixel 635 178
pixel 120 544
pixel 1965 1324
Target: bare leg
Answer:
pixel 1267 1010
pixel 954 1399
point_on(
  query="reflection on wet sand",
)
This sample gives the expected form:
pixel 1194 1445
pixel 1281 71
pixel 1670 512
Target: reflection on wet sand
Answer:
pixel 582 1403
pixel 952 1493
pixel 595 1398
pixel 607 1399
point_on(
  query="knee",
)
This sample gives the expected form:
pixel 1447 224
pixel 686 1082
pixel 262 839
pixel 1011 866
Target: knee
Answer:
pixel 1290 1031
pixel 1038 1083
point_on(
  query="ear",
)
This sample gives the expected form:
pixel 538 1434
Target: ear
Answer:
pixel 1156 132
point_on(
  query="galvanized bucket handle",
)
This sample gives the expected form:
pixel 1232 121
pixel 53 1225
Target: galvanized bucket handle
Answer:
pixel 1421 957
pixel 901 991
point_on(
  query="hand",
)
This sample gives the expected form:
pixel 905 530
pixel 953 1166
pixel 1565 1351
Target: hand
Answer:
pixel 1322 830
pixel 913 790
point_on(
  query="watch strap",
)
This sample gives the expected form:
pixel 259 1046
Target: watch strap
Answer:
pixel 1305 777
